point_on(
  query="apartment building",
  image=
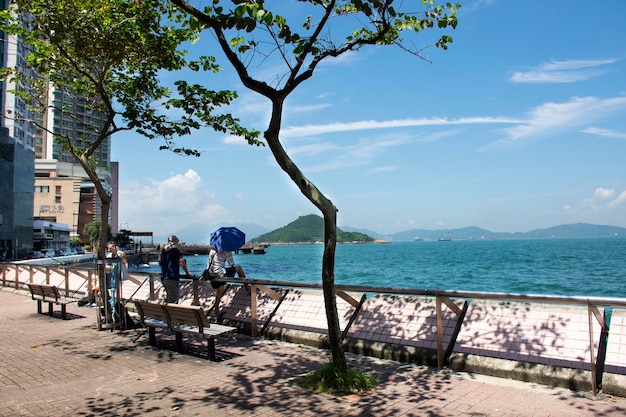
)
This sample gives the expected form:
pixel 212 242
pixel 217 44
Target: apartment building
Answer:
pixel 63 191
pixel 17 158
pixel 39 179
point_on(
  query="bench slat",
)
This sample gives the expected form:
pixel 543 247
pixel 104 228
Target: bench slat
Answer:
pixel 180 319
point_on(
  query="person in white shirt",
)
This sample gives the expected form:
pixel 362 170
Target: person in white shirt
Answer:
pixel 216 265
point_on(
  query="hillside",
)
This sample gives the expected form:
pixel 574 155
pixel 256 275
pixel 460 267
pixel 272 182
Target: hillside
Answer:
pixel 308 229
pixel 578 230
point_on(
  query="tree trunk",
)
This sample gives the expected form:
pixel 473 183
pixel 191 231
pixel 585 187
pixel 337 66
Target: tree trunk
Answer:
pixel 329 212
pixel 105 200
pixel 104 225
pixel 328 285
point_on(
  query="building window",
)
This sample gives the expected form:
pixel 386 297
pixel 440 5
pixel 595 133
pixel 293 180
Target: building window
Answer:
pixel 58 189
pixel 42 188
pixel 57 199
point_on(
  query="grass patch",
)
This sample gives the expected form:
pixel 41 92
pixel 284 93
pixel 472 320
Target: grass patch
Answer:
pixel 330 381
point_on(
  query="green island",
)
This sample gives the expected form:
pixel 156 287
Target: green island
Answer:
pixel 308 229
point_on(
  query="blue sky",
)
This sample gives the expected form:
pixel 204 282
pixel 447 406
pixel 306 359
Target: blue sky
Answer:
pixel 520 125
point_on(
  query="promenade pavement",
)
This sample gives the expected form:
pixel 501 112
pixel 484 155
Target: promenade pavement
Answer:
pixel 52 367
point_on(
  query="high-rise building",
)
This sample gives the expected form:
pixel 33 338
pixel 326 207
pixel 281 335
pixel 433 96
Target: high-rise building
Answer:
pixel 17 158
pixel 39 179
pixel 79 126
pixel 17 164
pixel 63 191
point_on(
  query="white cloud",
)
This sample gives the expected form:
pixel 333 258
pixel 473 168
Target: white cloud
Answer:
pixel 312 149
pixel 250 103
pixel 550 118
pixel 308 108
pixel 387 168
pixel 311 130
pixel 602 199
pixel 352 155
pixel 562 71
pixel 605 132
pixel 603 193
pixel 238 140
pixel 167 205
pixel 619 201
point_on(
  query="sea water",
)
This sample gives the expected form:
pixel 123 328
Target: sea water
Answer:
pixel 570 267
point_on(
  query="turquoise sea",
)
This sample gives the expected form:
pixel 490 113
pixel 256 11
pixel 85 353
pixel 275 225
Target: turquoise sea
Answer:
pixel 581 267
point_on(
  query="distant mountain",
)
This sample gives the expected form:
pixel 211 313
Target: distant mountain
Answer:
pixel 311 229
pixel 471 232
pixel 308 229
pixel 578 230
pixel 368 232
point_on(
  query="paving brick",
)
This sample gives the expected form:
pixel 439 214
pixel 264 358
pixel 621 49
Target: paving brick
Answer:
pixel 118 373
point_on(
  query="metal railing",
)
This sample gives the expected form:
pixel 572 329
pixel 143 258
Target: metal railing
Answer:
pixel 442 298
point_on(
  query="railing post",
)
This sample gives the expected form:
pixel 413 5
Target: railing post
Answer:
pixel 254 320
pixel 90 286
pixel 67 282
pixel 439 332
pixel 17 276
pixel 151 288
pixel 593 311
pixel 591 350
pixel 195 290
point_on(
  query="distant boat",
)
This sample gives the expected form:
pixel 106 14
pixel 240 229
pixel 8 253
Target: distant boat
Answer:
pixel 445 239
pixel 418 239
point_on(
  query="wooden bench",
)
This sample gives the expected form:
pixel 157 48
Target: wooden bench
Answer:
pixel 49 294
pixel 180 319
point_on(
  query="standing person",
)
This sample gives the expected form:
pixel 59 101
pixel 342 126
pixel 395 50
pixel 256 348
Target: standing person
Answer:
pixel 216 265
pixel 171 261
pixel 113 252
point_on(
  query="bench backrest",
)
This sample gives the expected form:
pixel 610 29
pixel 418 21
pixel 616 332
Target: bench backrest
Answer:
pixel 173 314
pixel 187 315
pixel 45 291
pixel 151 310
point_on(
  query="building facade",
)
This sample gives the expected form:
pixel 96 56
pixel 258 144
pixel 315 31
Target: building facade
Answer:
pixel 17 158
pixel 64 194
pixel 51 237
pixel 40 179
pixel 63 191
pixel 17 165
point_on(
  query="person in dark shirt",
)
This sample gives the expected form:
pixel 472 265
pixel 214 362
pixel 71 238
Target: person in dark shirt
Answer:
pixel 171 261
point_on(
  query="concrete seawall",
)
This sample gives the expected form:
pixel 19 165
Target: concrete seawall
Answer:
pixel 544 343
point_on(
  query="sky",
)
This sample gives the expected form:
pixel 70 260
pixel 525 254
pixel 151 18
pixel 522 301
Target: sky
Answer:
pixel 519 125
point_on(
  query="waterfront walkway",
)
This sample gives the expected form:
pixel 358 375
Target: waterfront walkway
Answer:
pixel 68 368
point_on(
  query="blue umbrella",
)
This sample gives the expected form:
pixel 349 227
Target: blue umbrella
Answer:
pixel 227 239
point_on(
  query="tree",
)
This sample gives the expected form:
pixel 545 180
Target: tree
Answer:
pixel 248 31
pixel 105 56
pixel 94 231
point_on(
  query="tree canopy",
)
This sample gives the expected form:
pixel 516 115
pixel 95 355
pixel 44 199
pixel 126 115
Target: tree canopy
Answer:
pixel 105 57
